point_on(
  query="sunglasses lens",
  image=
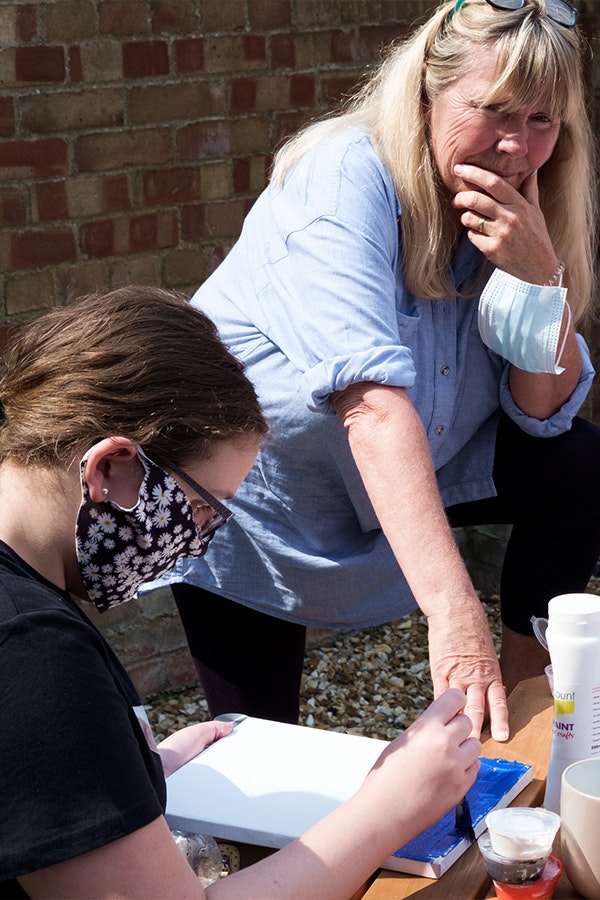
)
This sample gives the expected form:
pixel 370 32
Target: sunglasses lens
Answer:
pixel 561 12
pixel 507 4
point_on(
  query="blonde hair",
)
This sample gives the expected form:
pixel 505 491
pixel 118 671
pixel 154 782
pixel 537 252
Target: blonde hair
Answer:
pixel 536 59
pixel 140 362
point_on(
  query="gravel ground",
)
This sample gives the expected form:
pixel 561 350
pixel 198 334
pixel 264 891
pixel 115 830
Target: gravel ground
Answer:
pixel 374 681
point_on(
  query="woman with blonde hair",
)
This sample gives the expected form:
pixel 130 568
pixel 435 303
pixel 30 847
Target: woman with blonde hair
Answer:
pixel 126 423
pixel 404 295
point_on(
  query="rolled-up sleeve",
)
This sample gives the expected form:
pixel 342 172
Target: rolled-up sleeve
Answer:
pixel 562 418
pixel 391 365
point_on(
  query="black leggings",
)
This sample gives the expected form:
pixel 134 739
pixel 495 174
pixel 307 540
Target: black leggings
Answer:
pixel 548 489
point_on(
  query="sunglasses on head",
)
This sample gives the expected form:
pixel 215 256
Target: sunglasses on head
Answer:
pixel 560 11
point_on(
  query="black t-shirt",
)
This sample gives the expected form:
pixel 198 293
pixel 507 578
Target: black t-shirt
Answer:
pixel 76 771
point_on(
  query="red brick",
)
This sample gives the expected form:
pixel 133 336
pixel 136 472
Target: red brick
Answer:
pixel 189 55
pixel 120 17
pixel 26 22
pixel 75 66
pixel 255 47
pixel 115 192
pixel 51 201
pixel 267 14
pixel 40 64
pixel 241 176
pixel 173 16
pixel 302 90
pixel 250 174
pixel 98 238
pixel 143 233
pixel 243 95
pixel 143 59
pixel 193 222
pixel 12 206
pixel 283 51
pixel 31 249
pixel 171 186
pixel 204 139
pixel 7 117
pixel 44 157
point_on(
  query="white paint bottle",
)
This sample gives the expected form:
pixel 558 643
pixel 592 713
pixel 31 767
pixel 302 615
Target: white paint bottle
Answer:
pixel 573 637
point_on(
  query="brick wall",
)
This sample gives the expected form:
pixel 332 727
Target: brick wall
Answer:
pixel 134 137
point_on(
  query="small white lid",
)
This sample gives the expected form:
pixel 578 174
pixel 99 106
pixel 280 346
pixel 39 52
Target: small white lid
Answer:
pixel 522 833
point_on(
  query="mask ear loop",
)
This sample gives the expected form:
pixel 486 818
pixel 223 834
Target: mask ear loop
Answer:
pixel 564 340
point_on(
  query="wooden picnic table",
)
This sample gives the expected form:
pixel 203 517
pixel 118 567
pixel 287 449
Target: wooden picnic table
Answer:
pixel 530 710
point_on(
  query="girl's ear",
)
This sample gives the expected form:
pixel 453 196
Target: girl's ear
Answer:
pixel 113 471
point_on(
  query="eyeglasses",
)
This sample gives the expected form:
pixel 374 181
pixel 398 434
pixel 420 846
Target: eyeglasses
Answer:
pixel 222 514
pixel 560 11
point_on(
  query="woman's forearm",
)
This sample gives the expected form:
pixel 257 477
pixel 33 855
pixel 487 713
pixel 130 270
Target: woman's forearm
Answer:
pixel 390 449
pixel 540 396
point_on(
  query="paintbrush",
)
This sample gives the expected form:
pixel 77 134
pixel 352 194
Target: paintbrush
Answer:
pixel 463 820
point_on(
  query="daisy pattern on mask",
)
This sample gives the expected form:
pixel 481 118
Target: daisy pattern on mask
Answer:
pixel 119 549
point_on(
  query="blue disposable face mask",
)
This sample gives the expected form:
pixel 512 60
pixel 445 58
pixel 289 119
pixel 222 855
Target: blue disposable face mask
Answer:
pixel 521 322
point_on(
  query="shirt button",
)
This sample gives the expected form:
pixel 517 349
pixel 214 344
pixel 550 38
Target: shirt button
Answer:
pixel 445 370
pixel 439 429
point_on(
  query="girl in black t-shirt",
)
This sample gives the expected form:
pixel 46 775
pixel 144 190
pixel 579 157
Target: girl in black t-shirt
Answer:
pixel 126 424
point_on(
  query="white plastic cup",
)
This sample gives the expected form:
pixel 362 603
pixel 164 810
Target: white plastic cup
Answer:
pixel 580 832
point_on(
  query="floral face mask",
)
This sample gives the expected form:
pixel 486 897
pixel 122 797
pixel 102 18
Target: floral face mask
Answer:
pixel 120 549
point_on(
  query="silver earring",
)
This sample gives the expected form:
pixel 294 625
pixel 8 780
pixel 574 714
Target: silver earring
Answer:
pixel 105 491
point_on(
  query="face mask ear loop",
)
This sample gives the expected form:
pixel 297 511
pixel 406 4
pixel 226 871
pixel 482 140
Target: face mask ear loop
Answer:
pixel 564 340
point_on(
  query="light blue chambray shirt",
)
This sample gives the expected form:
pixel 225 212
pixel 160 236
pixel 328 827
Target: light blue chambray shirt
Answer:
pixel 311 299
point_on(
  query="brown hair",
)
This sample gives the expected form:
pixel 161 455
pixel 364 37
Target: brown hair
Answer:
pixel 137 361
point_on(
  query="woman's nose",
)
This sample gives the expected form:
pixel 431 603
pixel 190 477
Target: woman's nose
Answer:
pixel 513 140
